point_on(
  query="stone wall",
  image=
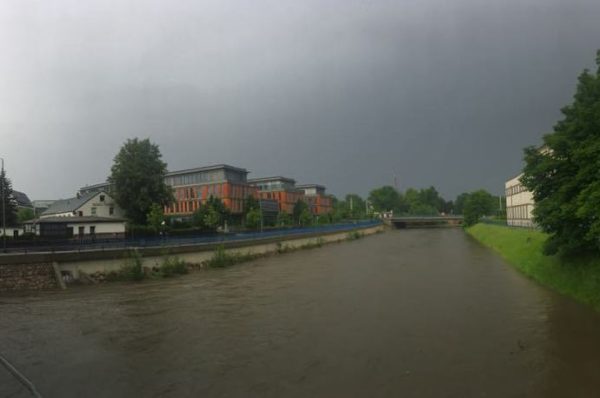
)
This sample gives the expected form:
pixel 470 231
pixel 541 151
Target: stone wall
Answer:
pixel 27 277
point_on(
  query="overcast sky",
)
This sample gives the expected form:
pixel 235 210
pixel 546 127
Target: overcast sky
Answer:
pixel 344 93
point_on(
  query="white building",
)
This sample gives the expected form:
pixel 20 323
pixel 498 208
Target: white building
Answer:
pixel 92 204
pixel 519 204
pixel 91 214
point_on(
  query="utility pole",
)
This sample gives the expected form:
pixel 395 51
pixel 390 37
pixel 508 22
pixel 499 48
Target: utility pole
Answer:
pixel 261 213
pixel 3 208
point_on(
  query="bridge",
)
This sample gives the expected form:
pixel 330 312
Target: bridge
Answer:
pixel 424 221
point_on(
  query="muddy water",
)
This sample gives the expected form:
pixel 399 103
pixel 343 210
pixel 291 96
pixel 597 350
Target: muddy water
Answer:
pixel 414 313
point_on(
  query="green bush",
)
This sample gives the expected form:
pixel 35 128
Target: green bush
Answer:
pixel 172 266
pixel 132 269
pixel 222 259
pixel 354 235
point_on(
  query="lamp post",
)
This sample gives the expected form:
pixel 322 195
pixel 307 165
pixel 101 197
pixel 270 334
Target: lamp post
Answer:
pixel 261 213
pixel 3 207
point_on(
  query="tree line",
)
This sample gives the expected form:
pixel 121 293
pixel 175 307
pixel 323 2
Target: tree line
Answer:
pixel 564 174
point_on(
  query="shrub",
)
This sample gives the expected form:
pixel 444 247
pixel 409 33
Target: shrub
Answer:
pixel 172 266
pixel 222 259
pixel 354 235
pixel 132 268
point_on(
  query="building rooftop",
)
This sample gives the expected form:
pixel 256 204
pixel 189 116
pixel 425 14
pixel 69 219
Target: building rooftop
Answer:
pixel 22 199
pixel 176 173
pixel 303 186
pixel 69 205
pixel 275 178
pixel 207 168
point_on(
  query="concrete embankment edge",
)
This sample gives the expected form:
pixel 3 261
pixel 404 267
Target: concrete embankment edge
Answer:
pixel 105 261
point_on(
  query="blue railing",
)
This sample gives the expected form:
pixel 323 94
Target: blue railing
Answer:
pixel 166 241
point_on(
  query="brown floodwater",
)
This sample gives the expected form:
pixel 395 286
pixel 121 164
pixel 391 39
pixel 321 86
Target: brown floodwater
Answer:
pixel 412 313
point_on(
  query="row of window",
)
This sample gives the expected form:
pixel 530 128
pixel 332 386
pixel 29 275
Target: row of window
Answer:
pixel 195 178
pixel 215 190
pixel 518 212
pixel 203 177
pixel 94 211
pixel 515 189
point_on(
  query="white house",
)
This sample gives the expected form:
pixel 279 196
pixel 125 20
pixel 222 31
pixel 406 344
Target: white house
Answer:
pixel 92 204
pixel 91 214
pixel 519 204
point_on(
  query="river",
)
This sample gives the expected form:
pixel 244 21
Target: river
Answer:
pixel 412 313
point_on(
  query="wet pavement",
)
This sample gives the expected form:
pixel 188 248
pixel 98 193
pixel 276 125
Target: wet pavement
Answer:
pixel 413 313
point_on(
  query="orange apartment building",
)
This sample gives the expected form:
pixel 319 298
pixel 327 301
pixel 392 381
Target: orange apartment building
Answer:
pixel 314 195
pixel 281 189
pixel 192 187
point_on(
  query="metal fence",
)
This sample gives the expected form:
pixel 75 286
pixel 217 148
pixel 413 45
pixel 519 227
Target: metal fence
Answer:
pixel 159 241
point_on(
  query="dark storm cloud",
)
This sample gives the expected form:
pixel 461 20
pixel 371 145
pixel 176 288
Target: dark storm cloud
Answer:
pixel 344 93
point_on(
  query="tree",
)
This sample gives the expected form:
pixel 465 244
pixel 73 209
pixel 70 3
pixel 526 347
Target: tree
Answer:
pixel 212 219
pixel 251 203
pixel 25 214
pixel 137 177
pixel 563 174
pixel 355 206
pixel 305 217
pixel 478 204
pixel 284 219
pixel 10 205
pixel 155 217
pixel 253 219
pixel 459 203
pixel 217 205
pixel 299 207
pixel 386 198
pixel 210 215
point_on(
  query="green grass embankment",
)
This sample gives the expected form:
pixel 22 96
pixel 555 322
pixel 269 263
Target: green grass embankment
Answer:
pixel 577 277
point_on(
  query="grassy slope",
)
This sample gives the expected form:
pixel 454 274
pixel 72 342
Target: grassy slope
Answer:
pixel 576 277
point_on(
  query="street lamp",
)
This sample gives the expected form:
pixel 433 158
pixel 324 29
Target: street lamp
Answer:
pixel 3 207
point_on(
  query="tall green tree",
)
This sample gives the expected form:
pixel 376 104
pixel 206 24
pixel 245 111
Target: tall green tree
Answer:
pixel 253 219
pixel 564 174
pixel 10 205
pixel 459 203
pixel 137 176
pixel 477 205
pixel 387 198
pixel 25 214
pixel 355 206
pixel 155 217
pixel 299 208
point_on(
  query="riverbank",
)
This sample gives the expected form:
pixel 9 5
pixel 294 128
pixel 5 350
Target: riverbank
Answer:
pixel 578 278
pixel 39 273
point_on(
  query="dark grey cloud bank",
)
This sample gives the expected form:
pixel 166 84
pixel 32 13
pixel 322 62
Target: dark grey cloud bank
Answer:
pixel 344 93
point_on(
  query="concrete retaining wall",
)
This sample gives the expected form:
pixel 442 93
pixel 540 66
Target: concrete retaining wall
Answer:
pixel 204 253
pixel 35 271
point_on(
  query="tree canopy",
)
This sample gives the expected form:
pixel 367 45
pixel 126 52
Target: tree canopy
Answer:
pixel 478 204
pixel 10 205
pixel 386 198
pixel 211 214
pixel 137 177
pixel 563 174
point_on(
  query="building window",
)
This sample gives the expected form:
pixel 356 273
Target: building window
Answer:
pixel 101 198
pixel 81 231
pixel 80 213
pixel 93 211
pixel 111 211
pixel 92 230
